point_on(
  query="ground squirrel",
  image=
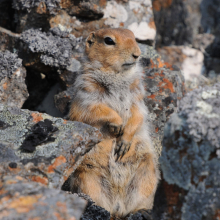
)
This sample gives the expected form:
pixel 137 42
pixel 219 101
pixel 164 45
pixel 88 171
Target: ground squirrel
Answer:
pixel 120 173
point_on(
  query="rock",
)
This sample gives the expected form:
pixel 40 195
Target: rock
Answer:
pixel 82 17
pixel 8 40
pixel 212 55
pixel 25 200
pixel 190 160
pixel 52 50
pixel 6 14
pixel 41 148
pixel 164 85
pixel 172 21
pixel 189 60
pixel 12 80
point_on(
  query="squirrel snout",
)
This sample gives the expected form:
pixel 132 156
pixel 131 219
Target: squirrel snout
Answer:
pixel 137 53
pixel 135 56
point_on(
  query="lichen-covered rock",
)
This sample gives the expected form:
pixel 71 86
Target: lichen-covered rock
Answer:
pixel 20 199
pixel 82 17
pixel 52 49
pixel 13 90
pixel 188 59
pixel 180 22
pixel 41 148
pixel 164 85
pixel 190 160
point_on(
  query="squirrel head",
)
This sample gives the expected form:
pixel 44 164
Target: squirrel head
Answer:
pixel 115 50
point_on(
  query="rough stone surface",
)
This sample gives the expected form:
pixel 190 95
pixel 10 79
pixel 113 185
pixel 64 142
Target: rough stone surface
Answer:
pixel 190 159
pixel 20 199
pixel 164 85
pixel 82 17
pixel 13 90
pixel 8 40
pixel 190 23
pixel 43 149
pixel 55 48
pixel 189 60
pixel 171 22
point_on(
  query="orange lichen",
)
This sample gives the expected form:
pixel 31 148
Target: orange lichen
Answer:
pixel 102 3
pixel 42 8
pixel 39 179
pixel 152 24
pixel 24 203
pixel 37 117
pixel 5 86
pixel 157 129
pixel 61 206
pixel 151 97
pixel 65 3
pixel 166 84
pixel 169 66
pixel 58 161
pixel 158 4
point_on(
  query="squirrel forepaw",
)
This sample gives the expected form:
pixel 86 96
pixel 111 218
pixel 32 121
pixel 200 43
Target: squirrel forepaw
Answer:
pixel 121 149
pixel 115 130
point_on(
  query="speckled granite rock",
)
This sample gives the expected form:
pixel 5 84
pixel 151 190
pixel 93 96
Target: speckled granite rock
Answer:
pixel 41 148
pixel 13 90
pixel 190 160
pixel 20 199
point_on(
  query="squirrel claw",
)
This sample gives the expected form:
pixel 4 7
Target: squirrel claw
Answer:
pixel 121 149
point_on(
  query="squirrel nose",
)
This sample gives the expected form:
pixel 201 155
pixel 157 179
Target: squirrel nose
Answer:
pixel 136 53
pixel 135 56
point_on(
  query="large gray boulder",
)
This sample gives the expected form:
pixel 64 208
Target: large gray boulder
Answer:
pixel 190 160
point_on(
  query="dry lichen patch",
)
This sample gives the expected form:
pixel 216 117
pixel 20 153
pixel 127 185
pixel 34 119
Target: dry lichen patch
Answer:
pixel 23 204
pixel 166 84
pixel 159 4
pixel 57 162
pixel 39 179
pixel 37 117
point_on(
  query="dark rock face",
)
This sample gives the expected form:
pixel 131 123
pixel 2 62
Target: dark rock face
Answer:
pixel 190 158
pixel 171 22
pixel 13 90
pixel 6 14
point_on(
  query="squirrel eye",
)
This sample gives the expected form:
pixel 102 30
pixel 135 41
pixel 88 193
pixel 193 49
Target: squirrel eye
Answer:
pixel 109 41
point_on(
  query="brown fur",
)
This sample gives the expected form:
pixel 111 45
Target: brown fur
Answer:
pixel 120 173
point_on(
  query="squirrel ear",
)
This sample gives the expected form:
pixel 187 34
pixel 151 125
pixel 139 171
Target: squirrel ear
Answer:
pixel 90 39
